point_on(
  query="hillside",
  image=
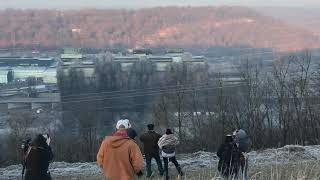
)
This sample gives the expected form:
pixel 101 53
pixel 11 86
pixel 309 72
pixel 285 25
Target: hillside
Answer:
pixel 289 162
pixel 307 18
pixel 187 27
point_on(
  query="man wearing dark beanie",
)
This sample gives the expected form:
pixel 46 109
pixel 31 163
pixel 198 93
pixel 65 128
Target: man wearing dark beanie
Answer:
pixel 151 149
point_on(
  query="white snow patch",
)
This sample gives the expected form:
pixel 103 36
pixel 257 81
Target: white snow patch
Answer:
pixel 286 154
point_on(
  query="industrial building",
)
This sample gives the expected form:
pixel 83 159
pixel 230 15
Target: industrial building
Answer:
pixel 20 68
pixel 73 59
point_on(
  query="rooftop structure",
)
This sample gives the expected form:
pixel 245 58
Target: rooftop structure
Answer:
pixel 15 68
pixel 47 74
pixel 13 61
pixel 161 62
pixel 71 54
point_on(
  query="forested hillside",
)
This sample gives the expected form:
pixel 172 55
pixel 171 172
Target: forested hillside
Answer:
pixel 195 27
pixel 306 18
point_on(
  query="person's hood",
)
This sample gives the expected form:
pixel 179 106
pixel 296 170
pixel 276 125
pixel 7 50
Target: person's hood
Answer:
pixel 118 141
pixel 169 137
pixel 241 134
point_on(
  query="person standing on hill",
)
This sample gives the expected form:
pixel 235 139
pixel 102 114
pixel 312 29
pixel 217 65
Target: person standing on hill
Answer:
pixel 37 158
pixel 151 149
pixel 167 143
pixel 119 156
pixel 243 141
pixel 229 158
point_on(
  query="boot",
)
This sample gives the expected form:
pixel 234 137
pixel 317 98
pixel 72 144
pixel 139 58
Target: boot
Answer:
pixel 180 171
pixel 166 176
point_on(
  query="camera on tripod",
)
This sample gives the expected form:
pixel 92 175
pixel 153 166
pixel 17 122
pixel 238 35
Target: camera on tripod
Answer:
pixel 25 145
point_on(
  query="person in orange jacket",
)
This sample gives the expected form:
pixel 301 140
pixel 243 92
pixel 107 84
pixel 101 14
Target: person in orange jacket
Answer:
pixel 119 156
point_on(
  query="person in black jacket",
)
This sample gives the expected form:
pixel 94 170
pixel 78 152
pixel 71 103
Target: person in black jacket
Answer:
pixel 151 149
pixel 130 131
pixel 229 158
pixel 37 159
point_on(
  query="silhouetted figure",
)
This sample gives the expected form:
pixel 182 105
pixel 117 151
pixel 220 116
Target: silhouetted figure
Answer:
pixel 37 159
pixel 132 133
pixel 229 158
pixel 151 150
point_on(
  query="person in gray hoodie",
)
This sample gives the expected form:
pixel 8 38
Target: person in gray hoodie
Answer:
pixel 243 141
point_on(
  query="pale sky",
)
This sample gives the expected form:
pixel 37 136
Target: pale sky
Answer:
pixel 115 4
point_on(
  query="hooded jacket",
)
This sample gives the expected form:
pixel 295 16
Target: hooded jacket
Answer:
pixel 119 157
pixel 243 141
pixel 168 140
pixel 167 143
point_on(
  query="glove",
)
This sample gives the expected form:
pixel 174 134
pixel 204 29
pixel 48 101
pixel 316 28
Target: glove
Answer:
pixel 140 173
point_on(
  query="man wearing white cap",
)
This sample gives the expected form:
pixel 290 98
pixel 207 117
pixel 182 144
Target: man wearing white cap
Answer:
pixel 119 156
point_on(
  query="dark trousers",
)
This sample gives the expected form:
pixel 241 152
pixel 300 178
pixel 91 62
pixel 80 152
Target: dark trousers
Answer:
pixel 175 162
pixel 244 167
pixel 148 162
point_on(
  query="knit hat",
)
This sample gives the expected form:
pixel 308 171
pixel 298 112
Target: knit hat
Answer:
pixel 123 124
pixel 228 138
pixel 150 127
pixel 168 131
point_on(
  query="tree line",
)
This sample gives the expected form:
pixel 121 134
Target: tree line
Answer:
pixel 276 104
pixel 187 27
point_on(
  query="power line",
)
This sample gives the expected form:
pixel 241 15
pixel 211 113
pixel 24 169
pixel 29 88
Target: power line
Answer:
pixel 139 89
pixel 191 89
pixel 152 103
pixel 142 90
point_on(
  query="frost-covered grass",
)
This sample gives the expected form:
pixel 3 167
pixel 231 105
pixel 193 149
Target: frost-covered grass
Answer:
pixel 291 171
pixel 286 163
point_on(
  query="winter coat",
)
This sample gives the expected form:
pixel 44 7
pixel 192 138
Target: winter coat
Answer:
pixel 229 159
pixel 150 140
pixel 132 133
pixel 37 163
pixel 119 157
pixel 243 141
pixel 167 143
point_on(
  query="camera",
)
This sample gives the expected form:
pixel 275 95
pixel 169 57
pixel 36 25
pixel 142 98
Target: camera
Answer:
pixel 25 145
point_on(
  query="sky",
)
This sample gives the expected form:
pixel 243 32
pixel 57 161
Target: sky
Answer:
pixel 116 4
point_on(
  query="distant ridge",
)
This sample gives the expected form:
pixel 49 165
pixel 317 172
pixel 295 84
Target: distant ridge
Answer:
pixel 186 27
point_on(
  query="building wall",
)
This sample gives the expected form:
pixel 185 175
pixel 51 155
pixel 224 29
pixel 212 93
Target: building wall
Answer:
pixel 49 75
pixel 3 76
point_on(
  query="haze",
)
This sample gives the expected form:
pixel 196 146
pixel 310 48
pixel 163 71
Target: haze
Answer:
pixel 112 4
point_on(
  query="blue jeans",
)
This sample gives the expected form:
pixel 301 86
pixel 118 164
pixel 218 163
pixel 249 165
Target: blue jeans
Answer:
pixel 148 162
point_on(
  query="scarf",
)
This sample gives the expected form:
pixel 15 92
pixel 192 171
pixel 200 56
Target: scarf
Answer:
pixel 121 134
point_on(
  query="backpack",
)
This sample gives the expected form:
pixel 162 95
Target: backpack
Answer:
pixel 245 144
